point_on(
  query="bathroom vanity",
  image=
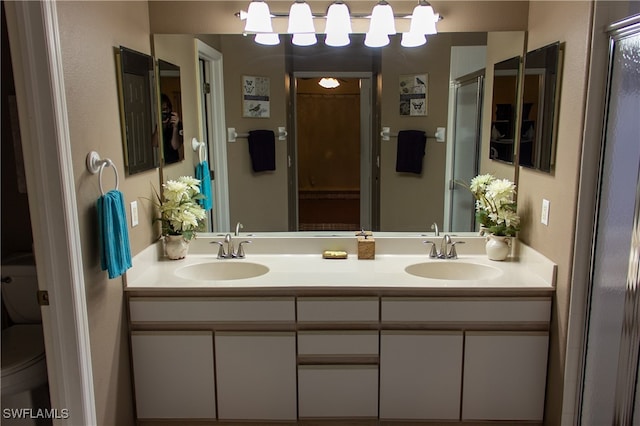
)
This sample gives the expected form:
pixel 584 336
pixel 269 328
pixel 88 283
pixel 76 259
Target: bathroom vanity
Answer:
pixel 285 335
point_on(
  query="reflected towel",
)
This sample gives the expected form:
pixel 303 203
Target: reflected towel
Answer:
pixel 262 149
pixel 411 145
pixel 115 253
pixel 202 173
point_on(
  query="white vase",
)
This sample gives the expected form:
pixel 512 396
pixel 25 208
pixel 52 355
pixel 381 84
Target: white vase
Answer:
pixel 175 246
pixel 498 247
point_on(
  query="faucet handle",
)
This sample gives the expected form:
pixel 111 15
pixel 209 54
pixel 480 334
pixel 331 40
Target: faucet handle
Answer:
pixel 240 253
pixel 453 253
pixel 221 253
pixel 433 253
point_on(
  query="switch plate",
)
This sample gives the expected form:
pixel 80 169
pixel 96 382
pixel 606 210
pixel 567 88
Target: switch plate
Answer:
pixel 544 217
pixel 134 213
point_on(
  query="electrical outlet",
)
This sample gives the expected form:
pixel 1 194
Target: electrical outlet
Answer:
pixel 134 213
pixel 544 217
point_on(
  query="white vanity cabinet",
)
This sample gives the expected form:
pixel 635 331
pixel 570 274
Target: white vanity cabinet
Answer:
pixel 173 374
pixel 420 375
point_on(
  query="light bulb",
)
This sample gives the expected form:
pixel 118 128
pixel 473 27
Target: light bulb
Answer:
pixel 268 39
pixel 306 39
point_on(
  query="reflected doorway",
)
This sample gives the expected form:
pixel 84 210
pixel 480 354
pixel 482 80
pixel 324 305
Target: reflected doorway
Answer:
pixel 333 153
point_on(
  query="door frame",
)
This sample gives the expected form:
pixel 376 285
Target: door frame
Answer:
pixel 368 170
pixel 42 109
pixel 216 137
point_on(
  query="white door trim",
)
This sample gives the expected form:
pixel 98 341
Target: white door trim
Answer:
pixel 217 134
pixel 36 55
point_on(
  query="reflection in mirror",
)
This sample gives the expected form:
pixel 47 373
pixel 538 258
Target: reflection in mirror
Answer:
pixel 539 104
pixel 408 202
pixel 503 109
pixel 137 109
pixel 171 112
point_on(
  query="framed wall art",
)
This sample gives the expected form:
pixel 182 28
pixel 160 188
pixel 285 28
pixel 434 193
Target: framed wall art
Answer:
pixel 413 94
pixel 255 97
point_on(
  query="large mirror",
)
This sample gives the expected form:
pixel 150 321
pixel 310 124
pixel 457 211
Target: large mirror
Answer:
pixel 407 201
pixel 171 112
pixel 137 94
pixel 539 108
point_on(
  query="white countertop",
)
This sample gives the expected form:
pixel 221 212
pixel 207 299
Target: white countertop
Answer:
pixel 529 271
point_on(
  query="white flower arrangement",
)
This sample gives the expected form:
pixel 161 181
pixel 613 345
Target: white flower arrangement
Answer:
pixel 495 205
pixel 180 212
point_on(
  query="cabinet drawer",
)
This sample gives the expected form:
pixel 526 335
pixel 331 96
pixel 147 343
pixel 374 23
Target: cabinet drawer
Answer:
pixel 338 391
pixel 211 309
pixel 506 309
pixel 338 309
pixel 338 343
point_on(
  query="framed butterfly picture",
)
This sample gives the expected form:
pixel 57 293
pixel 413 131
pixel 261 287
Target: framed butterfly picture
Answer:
pixel 413 94
pixel 255 97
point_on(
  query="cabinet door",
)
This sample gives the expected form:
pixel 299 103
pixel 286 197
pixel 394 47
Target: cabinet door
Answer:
pixel 420 375
pixel 504 375
pixel 256 375
pixel 173 375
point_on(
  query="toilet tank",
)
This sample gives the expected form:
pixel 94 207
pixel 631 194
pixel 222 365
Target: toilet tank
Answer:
pixel 20 289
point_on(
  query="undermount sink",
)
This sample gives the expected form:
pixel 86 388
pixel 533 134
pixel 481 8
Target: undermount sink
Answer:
pixel 452 270
pixel 222 270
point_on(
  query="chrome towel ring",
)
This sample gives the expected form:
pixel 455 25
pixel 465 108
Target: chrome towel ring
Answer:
pixel 96 165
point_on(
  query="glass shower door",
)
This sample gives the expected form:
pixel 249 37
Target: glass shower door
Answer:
pixel 613 340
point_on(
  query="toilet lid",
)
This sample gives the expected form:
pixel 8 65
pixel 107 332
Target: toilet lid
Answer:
pixel 22 345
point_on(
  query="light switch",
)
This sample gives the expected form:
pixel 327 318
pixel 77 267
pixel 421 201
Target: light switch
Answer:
pixel 544 217
pixel 134 213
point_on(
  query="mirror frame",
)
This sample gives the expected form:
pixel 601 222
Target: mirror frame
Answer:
pixel 138 105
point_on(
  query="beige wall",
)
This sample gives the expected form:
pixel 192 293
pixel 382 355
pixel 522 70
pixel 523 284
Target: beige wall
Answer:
pixel 89 31
pixel 568 22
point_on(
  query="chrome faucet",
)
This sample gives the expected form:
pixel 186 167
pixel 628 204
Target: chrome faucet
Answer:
pixel 230 253
pixel 239 226
pixel 447 248
pixel 434 227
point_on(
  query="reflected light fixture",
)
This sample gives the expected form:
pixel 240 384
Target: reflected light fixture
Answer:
pixel 258 18
pixel 338 25
pixel 382 25
pixel 267 39
pixel 329 82
pixel 304 39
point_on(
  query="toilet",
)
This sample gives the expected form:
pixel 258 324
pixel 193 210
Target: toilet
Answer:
pixel 24 367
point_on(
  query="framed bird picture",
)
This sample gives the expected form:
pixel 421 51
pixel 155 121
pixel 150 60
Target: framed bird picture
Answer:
pixel 255 96
pixel 413 94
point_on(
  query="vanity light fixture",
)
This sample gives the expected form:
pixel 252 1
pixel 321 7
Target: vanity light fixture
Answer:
pixel 300 18
pixel 382 25
pixel 258 18
pixel 338 25
pixel 329 82
pixel 423 23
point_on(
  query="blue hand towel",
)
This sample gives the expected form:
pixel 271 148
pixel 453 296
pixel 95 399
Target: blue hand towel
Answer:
pixel 115 253
pixel 202 173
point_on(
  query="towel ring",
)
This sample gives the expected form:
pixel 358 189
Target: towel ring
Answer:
pixel 97 165
pixel 200 147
